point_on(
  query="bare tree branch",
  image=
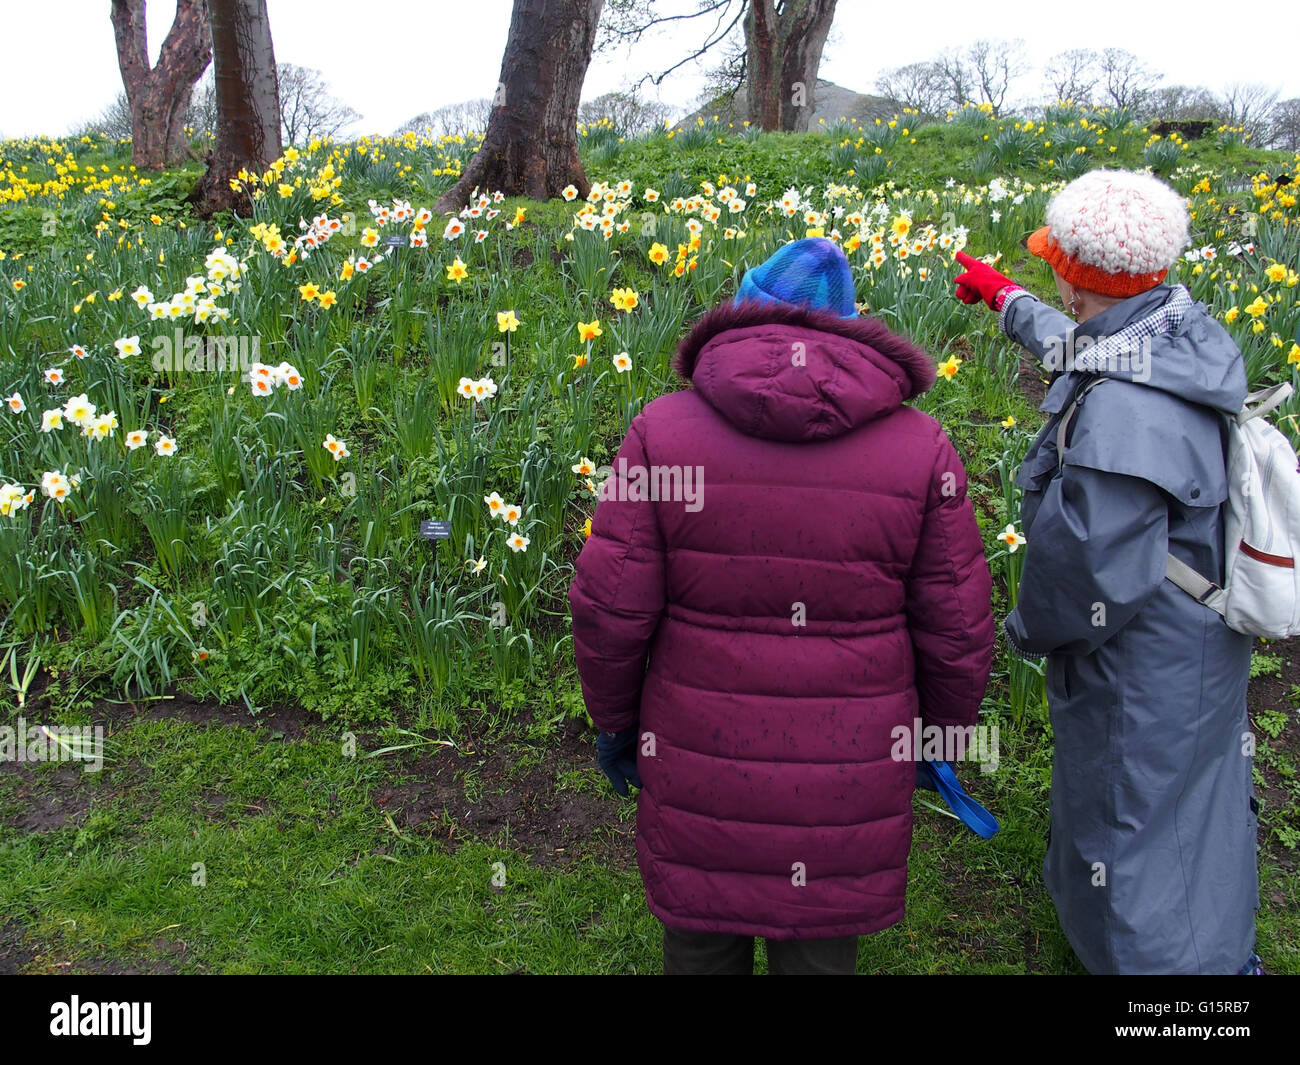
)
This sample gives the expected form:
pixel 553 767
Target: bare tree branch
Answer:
pixel 627 20
pixel 1073 74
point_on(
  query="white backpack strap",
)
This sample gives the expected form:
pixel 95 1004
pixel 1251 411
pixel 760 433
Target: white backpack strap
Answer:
pixel 1200 589
pixel 1063 426
pixel 1262 402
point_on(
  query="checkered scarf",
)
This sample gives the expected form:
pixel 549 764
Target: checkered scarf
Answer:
pixel 1128 340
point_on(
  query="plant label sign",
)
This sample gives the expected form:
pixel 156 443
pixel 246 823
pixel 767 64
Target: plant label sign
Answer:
pixel 435 530
pixel 395 240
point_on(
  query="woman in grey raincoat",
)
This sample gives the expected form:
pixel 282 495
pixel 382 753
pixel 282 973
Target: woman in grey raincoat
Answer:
pixel 1151 857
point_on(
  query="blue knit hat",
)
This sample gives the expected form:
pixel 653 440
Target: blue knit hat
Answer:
pixel 811 273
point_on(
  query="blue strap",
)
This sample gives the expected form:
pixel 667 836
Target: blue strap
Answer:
pixel 938 776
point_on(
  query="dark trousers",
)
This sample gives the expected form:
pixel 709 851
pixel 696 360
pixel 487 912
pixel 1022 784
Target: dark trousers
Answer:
pixel 711 954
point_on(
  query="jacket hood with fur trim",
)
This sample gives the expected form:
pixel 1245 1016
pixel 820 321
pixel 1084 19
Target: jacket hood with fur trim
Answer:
pixel 785 373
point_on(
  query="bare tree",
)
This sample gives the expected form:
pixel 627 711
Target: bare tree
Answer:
pixel 1284 133
pixel 953 72
pixel 158 95
pixel 916 85
pixel 1126 80
pixel 724 82
pixel 994 65
pixel 307 110
pixel 630 114
pixel 531 144
pixel 627 21
pixel 248 105
pixel 783 43
pixel 114 122
pixel 1182 103
pixel 1073 74
pixel 451 120
pixel 201 117
pixel 1250 106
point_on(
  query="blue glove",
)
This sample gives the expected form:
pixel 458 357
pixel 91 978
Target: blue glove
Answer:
pixel 616 752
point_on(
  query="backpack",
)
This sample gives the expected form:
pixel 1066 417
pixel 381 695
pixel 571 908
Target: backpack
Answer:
pixel 1260 595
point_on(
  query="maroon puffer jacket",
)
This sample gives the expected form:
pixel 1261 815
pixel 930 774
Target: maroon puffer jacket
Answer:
pixel 827 585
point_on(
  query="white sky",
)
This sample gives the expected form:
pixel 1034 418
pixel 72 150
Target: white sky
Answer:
pixel 392 59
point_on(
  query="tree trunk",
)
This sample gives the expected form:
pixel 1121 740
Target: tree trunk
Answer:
pixel 784 54
pixel 805 27
pixel 531 144
pixel 248 102
pixel 159 96
pixel 763 65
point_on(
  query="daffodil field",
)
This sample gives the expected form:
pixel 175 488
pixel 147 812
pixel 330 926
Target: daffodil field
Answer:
pixel 325 471
pixel 220 440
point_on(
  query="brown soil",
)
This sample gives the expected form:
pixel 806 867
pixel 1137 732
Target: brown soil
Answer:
pixel 51 799
pixel 478 790
pixel 1031 378
pixel 1267 693
pixel 536 797
pixel 475 790
pixel 20 954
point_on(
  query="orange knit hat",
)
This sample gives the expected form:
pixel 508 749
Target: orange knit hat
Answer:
pixel 1089 278
pixel 1113 232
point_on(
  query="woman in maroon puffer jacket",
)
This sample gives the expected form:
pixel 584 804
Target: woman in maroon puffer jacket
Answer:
pixel 783 567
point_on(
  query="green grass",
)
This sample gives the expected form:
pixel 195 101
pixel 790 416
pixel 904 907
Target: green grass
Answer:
pixel 302 873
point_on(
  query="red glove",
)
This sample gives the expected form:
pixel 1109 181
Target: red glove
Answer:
pixel 981 282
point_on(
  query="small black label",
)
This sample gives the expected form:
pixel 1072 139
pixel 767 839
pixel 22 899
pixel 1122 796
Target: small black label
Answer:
pixel 395 240
pixel 435 530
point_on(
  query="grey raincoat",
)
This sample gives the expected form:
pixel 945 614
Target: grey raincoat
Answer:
pixel 1151 857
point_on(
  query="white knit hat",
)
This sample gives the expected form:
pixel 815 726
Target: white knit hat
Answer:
pixel 1115 232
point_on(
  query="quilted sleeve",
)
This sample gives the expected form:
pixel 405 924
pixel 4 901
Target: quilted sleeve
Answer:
pixel 617 595
pixel 949 613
